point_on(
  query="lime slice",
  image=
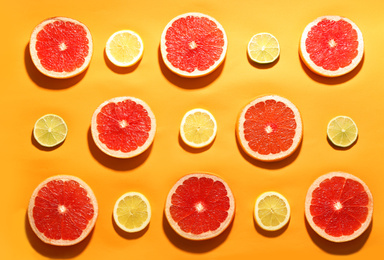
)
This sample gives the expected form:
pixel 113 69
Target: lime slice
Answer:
pixel 124 48
pixel 342 131
pixel 50 130
pixel 132 212
pixel 198 128
pixel 263 48
pixel 272 211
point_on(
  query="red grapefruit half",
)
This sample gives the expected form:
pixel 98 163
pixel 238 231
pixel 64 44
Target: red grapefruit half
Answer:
pixel 61 47
pixel 200 206
pixel 339 206
pixel 331 46
pixel 123 127
pixel 62 210
pixel 193 44
pixel 269 128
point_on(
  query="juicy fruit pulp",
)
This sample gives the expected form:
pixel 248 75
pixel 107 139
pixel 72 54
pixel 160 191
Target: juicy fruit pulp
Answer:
pixel 342 131
pixel 50 130
pixel 200 206
pixel 263 48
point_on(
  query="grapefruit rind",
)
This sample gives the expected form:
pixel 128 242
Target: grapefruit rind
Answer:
pixel 196 72
pixel 120 154
pixel 269 157
pixel 321 232
pixel 53 74
pixel 86 231
pixel 210 234
pixel 319 70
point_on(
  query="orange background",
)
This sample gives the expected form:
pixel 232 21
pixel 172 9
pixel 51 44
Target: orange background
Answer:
pixel 27 95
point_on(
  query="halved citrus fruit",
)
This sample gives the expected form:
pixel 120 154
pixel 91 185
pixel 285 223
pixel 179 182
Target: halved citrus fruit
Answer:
pixel 50 130
pixel 339 206
pixel 269 128
pixel 198 128
pixel 200 206
pixel 62 210
pixel 132 212
pixel 272 211
pixel 193 44
pixel 124 48
pixel 331 46
pixel 263 48
pixel 61 47
pixel 342 131
pixel 123 127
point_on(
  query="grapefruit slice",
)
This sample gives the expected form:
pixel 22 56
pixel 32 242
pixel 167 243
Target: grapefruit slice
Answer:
pixel 62 210
pixel 123 127
pixel 331 46
pixel 193 44
pixel 61 47
pixel 269 128
pixel 339 206
pixel 200 206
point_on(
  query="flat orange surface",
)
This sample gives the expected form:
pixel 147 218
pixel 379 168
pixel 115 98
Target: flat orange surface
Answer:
pixel 27 95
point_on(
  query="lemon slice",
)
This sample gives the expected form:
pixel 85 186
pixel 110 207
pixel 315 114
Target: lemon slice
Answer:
pixel 342 131
pixel 50 130
pixel 132 212
pixel 124 48
pixel 263 48
pixel 198 128
pixel 272 211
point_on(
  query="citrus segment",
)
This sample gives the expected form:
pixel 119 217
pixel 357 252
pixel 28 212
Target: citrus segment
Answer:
pixel 193 44
pixel 272 211
pixel 200 206
pixel 50 130
pixel 62 210
pixel 124 48
pixel 198 128
pixel 339 206
pixel 269 128
pixel 331 46
pixel 342 131
pixel 123 127
pixel 132 212
pixel 263 48
pixel 61 47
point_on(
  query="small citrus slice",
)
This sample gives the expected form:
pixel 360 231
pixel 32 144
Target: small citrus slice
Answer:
pixel 272 211
pixel 200 206
pixel 269 128
pixel 342 131
pixel 331 46
pixel 124 48
pixel 263 48
pixel 61 47
pixel 50 130
pixel 198 128
pixel 62 210
pixel 132 212
pixel 193 44
pixel 339 206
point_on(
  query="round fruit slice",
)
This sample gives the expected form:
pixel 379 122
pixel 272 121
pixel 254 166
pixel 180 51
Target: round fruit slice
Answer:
pixel 269 128
pixel 331 46
pixel 200 206
pixel 124 48
pixel 198 128
pixel 132 212
pixel 339 206
pixel 50 130
pixel 263 48
pixel 123 127
pixel 61 47
pixel 272 211
pixel 193 44
pixel 342 131
pixel 62 210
